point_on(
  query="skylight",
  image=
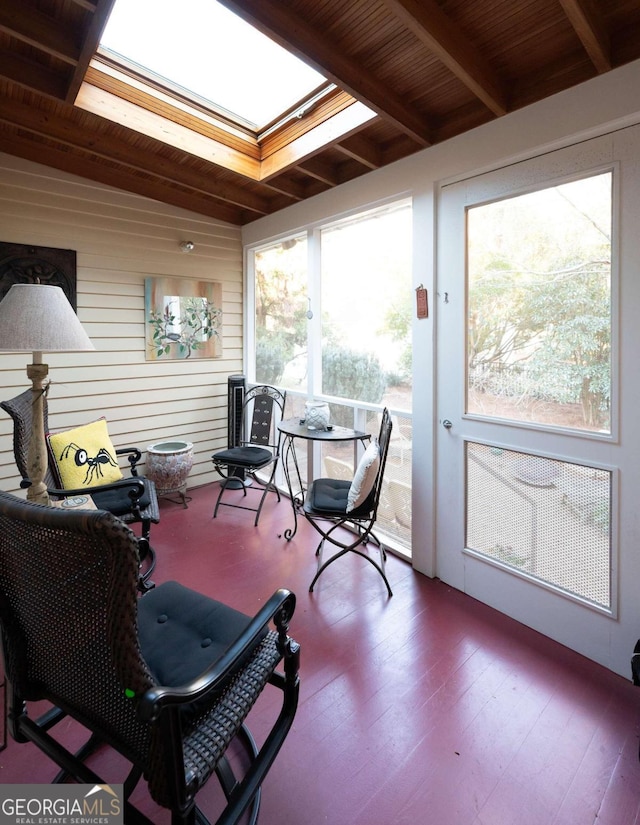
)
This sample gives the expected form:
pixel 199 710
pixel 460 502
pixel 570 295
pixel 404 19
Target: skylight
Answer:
pixel 208 51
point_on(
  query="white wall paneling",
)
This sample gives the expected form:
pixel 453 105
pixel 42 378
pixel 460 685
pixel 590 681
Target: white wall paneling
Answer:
pixel 121 239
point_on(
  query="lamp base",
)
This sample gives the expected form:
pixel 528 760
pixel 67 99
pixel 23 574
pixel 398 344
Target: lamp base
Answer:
pixel 37 456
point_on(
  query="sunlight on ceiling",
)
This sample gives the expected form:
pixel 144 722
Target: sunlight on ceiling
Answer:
pixel 205 49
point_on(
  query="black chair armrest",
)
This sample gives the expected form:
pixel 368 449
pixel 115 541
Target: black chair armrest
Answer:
pixel 133 456
pixel 280 609
pixel 135 487
pixel 135 484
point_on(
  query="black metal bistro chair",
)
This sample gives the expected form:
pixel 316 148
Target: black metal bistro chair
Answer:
pixel 133 499
pixel 259 448
pixel 166 679
pixel 332 503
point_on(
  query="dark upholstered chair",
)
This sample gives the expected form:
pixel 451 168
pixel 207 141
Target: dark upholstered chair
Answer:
pixel 333 503
pixel 167 679
pixel 133 499
pixel 259 448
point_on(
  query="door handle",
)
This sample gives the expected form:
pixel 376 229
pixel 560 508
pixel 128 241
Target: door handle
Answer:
pixel 447 424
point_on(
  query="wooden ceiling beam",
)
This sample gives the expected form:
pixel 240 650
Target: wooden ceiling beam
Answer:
pixel 90 42
pixel 320 170
pixel 362 150
pixel 30 75
pixel 89 5
pixel 282 186
pixel 328 133
pixel 289 30
pixel 441 36
pixel 106 105
pixel 589 26
pixel 87 140
pixel 45 33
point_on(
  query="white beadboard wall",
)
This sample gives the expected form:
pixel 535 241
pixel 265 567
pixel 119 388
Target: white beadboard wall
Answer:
pixel 121 239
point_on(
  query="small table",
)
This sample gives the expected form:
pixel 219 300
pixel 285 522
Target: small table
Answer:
pixel 292 428
pixel 75 503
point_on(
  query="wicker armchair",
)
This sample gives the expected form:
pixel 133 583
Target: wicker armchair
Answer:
pixel 167 678
pixel 132 499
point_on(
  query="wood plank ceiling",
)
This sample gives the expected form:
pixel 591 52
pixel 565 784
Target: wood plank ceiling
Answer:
pixel 407 74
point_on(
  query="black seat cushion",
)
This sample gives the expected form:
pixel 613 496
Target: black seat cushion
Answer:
pixel 244 457
pixel 117 500
pixel 329 496
pixel 183 632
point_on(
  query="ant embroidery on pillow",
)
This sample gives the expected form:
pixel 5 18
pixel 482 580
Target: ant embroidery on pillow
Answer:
pixel 93 464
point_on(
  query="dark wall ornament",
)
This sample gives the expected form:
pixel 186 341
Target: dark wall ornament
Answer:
pixel 24 264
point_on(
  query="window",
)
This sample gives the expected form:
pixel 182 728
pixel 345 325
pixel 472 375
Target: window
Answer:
pixel 332 321
pixel 539 316
pixel 281 308
pixel 366 315
pixel 211 54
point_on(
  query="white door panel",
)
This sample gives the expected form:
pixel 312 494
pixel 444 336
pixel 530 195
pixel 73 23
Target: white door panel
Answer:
pixel 542 502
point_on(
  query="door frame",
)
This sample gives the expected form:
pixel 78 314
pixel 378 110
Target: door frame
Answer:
pixel 604 636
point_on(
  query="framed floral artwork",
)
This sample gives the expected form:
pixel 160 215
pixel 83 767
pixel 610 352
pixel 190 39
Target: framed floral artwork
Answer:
pixel 183 318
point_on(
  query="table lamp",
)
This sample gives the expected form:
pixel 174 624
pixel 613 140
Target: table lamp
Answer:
pixel 38 318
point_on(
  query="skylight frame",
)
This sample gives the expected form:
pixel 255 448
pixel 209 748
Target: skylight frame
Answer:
pixel 141 50
pixel 164 85
pixel 155 83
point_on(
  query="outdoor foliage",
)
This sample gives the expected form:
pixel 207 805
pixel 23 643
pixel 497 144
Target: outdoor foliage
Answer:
pixel 349 374
pixel 398 326
pixel 281 305
pixel 361 317
pixel 539 299
pixel 271 358
pixel 352 375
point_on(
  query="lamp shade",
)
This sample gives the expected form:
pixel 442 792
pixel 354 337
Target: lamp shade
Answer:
pixel 39 318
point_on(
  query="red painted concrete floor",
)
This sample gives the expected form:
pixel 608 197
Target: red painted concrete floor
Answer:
pixel 427 707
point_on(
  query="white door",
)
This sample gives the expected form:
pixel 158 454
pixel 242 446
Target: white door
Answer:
pixel 538 443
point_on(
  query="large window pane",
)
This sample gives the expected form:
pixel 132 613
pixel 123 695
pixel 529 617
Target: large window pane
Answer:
pixel 352 345
pixel 366 308
pixel 281 313
pixel 539 314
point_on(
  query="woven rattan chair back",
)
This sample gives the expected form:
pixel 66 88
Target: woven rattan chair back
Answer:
pixel 75 632
pixel 20 409
pixel 67 603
